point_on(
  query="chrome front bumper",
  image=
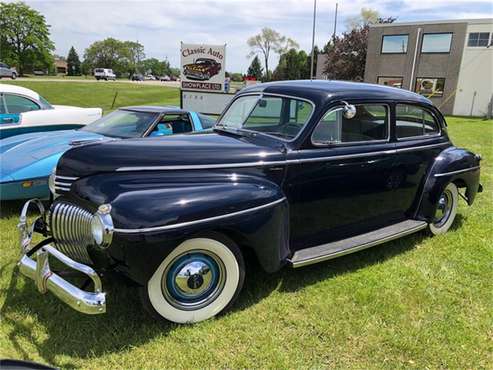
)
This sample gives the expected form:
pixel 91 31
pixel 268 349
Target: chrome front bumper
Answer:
pixel 46 280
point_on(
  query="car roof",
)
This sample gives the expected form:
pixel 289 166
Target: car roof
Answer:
pixel 14 89
pixel 336 90
pixel 155 109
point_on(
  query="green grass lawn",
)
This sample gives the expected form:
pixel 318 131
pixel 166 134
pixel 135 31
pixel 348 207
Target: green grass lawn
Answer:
pixel 101 94
pixel 418 302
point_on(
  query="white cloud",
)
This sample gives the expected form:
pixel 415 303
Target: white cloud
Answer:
pixel 161 25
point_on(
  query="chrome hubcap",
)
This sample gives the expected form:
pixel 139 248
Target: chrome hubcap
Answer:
pixel 193 280
pixel 444 208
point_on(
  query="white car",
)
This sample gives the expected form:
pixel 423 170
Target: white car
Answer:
pixel 104 74
pixel 23 110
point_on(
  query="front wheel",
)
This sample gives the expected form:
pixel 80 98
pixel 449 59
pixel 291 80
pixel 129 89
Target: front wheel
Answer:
pixel 446 210
pixel 14 75
pixel 196 281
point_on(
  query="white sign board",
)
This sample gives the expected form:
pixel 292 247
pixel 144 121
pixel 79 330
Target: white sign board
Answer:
pixel 202 67
pixel 205 101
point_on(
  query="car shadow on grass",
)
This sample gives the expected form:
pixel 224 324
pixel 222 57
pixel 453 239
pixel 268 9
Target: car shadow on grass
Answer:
pixel 26 313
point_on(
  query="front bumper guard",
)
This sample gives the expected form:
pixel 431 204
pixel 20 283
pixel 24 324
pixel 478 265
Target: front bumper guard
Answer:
pixel 46 280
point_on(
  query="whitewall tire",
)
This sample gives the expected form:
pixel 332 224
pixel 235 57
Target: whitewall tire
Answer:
pixel 196 281
pixel 446 210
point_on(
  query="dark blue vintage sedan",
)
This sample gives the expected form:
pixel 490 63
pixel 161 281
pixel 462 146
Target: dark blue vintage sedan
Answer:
pixel 298 172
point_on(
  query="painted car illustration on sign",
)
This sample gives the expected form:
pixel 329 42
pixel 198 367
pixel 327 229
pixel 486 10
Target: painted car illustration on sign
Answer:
pixel 202 69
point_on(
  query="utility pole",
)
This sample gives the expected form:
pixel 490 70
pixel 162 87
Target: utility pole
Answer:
pixel 335 23
pixel 313 38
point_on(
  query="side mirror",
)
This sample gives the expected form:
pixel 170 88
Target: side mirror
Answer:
pixel 349 111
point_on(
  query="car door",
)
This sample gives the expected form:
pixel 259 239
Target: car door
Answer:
pixel 15 105
pixel 420 139
pixel 339 186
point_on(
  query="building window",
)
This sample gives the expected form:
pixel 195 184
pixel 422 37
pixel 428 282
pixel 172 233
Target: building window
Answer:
pixel 413 121
pixel 477 39
pixel 436 43
pixel 390 81
pixel 394 44
pixel 430 87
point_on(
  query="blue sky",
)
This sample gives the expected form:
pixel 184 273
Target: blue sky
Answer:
pixel 161 25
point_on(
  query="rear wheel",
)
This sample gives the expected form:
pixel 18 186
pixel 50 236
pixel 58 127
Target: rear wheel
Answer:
pixel 446 210
pixel 196 281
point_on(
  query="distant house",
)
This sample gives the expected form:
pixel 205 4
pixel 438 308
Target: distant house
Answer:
pixel 61 66
pixel 449 62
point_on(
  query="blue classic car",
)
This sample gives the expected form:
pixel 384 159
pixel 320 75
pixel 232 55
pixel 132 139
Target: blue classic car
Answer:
pixel 296 172
pixel 26 161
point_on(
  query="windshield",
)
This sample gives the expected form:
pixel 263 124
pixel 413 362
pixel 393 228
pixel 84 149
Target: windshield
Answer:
pixel 283 117
pixel 123 124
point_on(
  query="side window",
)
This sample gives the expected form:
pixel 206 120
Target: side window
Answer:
pixel 206 121
pixel 179 123
pixel 369 124
pixel 414 121
pixel 19 104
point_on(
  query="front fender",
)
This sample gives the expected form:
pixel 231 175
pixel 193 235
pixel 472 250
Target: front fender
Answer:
pixel 153 212
pixel 456 165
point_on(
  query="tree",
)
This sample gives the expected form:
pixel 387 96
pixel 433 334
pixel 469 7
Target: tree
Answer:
pixel 269 40
pixel 365 18
pixel 293 65
pixel 255 69
pixel 121 56
pixel 346 54
pixel 133 53
pixel 24 37
pixel 73 63
pixel 155 67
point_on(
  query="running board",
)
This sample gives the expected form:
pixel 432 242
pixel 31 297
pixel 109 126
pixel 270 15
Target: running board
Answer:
pixel 338 248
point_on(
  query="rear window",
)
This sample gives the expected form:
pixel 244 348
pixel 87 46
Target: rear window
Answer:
pixel 99 70
pixel 413 121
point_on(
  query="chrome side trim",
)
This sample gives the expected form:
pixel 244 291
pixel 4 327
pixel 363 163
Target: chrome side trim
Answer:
pixel 66 178
pixel 359 247
pixel 189 223
pixel 274 163
pixel 456 172
pixel 200 167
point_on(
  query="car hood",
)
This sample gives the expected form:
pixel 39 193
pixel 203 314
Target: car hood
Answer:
pixel 19 153
pixel 178 152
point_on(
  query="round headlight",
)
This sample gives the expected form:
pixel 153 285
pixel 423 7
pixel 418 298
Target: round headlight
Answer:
pixel 51 182
pixel 97 229
pixel 102 226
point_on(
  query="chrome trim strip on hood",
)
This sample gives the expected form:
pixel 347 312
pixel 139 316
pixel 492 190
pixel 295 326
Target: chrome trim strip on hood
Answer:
pixel 273 163
pixel 190 223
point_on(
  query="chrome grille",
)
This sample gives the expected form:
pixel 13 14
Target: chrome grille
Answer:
pixel 63 184
pixel 70 226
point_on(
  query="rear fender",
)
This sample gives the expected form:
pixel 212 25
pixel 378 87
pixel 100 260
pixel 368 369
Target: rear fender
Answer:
pixel 456 165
